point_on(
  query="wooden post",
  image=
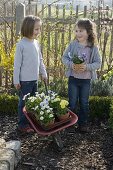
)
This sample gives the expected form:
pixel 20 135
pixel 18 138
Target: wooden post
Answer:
pixel 85 11
pixel 36 9
pixel 70 25
pixel 20 14
pixel 77 11
pixel 111 49
pixel 42 31
pixel 48 39
pixel 107 11
pixel 0 74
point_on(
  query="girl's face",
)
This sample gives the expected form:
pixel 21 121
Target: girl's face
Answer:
pixel 81 35
pixel 37 29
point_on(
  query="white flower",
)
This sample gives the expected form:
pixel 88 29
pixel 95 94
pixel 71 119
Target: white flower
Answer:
pixel 41 118
pixel 49 91
pixel 47 107
pixel 41 112
pixel 51 115
pixel 46 101
pixel 32 98
pixel 48 111
pixel 42 104
pixel 47 98
pixel 36 93
pixel 42 94
pixel 50 108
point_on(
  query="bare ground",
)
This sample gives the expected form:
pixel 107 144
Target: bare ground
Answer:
pixel 90 151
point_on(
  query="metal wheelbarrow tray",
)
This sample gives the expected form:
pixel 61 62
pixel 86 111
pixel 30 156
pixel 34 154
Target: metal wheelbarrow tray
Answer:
pixel 54 130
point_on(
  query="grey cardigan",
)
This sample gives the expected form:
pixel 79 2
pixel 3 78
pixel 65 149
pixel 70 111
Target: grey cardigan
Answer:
pixel 94 63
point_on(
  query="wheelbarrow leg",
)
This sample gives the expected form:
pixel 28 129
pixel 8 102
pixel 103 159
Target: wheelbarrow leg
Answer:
pixel 58 140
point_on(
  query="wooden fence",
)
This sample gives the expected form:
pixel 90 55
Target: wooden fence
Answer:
pixel 57 32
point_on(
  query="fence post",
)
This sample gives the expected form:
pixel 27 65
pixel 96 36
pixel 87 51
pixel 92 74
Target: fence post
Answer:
pixel 20 14
pixel 85 11
pixel 77 11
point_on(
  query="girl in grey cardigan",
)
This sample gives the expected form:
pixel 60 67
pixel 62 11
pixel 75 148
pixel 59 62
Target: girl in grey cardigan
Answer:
pixel 80 75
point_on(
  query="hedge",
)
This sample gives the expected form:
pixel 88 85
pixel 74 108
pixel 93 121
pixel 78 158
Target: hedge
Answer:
pixel 8 104
pixel 99 106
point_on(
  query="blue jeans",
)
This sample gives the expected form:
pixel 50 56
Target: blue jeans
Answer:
pixel 78 91
pixel 26 87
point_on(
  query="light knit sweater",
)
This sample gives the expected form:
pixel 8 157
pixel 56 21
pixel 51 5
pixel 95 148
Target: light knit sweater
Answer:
pixel 28 62
pixel 94 60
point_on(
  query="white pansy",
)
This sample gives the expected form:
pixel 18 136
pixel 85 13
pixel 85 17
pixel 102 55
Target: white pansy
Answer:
pixel 42 94
pixel 51 115
pixel 41 118
pixel 46 101
pixel 49 91
pixel 50 108
pixel 32 99
pixel 41 112
pixel 47 107
pixel 42 104
pixel 48 111
pixel 36 93
pixel 47 98
pixel 42 108
pixel 52 97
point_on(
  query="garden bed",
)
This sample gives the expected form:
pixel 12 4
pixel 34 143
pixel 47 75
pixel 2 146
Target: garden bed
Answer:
pixel 91 151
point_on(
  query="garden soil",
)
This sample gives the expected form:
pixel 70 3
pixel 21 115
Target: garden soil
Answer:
pixel 89 151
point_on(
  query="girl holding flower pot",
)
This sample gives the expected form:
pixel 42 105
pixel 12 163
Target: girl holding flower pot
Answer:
pixel 81 72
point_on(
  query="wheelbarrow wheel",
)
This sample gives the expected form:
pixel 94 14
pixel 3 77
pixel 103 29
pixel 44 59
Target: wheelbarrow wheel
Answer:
pixel 57 139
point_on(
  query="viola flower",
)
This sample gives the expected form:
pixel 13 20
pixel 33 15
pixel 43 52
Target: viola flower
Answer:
pixel 84 56
pixel 64 104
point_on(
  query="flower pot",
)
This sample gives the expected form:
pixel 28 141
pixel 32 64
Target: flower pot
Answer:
pixel 49 124
pixel 63 116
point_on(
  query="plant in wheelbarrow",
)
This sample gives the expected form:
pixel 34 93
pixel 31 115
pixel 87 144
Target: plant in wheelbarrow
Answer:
pixel 39 107
pixel 59 105
pixel 46 108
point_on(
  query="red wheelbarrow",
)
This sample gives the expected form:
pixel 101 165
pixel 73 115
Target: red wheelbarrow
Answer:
pixel 55 130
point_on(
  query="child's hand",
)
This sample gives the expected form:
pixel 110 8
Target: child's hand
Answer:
pixel 44 79
pixel 17 86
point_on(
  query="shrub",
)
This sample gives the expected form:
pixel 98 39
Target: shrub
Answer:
pixel 111 116
pixel 100 106
pixel 8 104
pixel 101 88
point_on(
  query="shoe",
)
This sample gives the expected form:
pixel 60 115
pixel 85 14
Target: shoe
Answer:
pixel 83 129
pixel 26 129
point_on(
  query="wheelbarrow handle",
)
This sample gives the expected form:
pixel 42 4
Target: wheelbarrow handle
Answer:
pixel 46 88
